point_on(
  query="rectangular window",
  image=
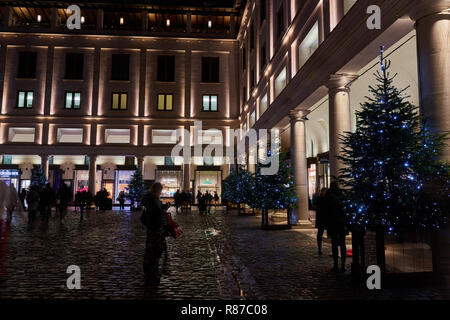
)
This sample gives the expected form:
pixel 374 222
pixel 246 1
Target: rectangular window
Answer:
pixel 70 135
pixel 252 119
pixel 168 161
pixel 161 136
pixel 209 103
pixel 263 105
pixel 280 82
pixel 166 68
pixel 21 135
pixel 210 136
pixel 74 66
pixel 117 135
pixel 165 102
pixel 119 101
pixel 120 67
pixel 210 69
pixel 280 22
pixel 27 65
pixel 25 99
pixel 7 159
pixel 308 46
pixel 73 100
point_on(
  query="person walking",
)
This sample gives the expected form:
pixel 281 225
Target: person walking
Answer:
pixel 33 203
pixel 11 201
pixel 216 198
pixel 321 217
pixel 22 196
pixel 156 222
pixel 336 225
pixel 79 202
pixel 63 199
pixel 121 199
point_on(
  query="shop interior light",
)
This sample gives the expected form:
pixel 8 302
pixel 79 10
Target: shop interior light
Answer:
pixel 39 18
pixel 168 22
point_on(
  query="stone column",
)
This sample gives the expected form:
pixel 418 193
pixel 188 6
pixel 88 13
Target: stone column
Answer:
pixel 186 177
pixel 140 164
pixel 339 116
pixel 299 165
pixel 92 173
pixel 44 164
pixel 433 51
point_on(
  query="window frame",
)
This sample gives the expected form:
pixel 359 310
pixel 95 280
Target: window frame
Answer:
pixel 25 99
pixel 210 95
pixel 165 101
pixel 113 64
pixel 73 95
pixel 210 78
pixel 166 68
pixel 26 76
pixel 120 101
pixel 80 67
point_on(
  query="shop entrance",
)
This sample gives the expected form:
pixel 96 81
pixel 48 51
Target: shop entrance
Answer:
pixel 170 179
pixel 210 181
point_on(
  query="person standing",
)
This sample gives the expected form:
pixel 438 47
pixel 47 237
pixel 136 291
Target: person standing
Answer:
pixel 321 217
pixel 33 203
pixel 11 201
pixel 63 199
pixel 121 199
pixel 156 223
pixel 22 196
pixel 216 198
pixel 336 225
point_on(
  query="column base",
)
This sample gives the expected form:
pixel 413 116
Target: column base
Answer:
pixel 302 224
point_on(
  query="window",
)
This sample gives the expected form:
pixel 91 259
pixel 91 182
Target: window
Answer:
pixel 210 103
pixel 119 101
pixel 252 37
pixel 252 119
pixel 120 67
pixel 168 161
pixel 7 159
pixel 165 102
pixel 166 68
pixel 280 22
pixel 117 135
pixel 27 65
pixel 210 69
pixel 73 100
pixel 74 66
pixel 263 105
pixel 308 46
pixel 25 99
pixel 210 136
pixel 70 135
pixel 263 58
pixel 161 136
pixel 21 134
pixel 263 10
pixel 280 82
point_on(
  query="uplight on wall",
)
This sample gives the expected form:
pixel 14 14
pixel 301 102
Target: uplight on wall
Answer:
pixel 39 18
pixel 210 24
pixel 168 22
pixel 122 20
pixel 82 19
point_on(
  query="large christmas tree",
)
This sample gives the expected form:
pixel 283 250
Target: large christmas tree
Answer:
pixel 238 188
pixel 391 160
pixel 136 188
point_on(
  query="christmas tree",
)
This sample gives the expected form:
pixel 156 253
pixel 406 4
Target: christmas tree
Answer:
pixel 37 178
pixel 274 191
pixel 136 188
pixel 238 188
pixel 390 160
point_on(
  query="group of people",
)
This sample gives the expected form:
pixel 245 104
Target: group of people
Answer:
pixel 330 216
pixel 183 199
pixel 102 200
pixel 205 200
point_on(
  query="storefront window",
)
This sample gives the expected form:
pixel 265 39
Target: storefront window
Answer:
pixel 10 177
pixel 82 180
pixel 171 181
pixel 122 180
pixel 208 181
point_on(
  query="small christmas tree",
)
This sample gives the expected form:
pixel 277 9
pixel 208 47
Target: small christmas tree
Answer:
pixel 389 161
pixel 37 178
pixel 136 188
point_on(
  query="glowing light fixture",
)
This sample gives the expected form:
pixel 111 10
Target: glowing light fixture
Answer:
pixel 122 20
pixel 210 24
pixel 168 22
pixel 39 18
pixel 82 19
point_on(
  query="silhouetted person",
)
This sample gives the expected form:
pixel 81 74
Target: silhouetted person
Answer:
pixel 33 203
pixel 199 195
pixel 321 216
pixel 22 196
pixel 121 199
pixel 63 196
pixel 177 199
pixel 156 222
pixel 80 203
pixel 216 198
pixel 336 225
pixel 46 200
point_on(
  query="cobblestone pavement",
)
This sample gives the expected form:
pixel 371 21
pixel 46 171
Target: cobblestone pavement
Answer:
pixel 219 256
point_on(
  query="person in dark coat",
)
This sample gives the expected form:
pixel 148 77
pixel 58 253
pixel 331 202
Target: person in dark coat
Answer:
pixel 336 225
pixel 321 216
pixel 156 223
pixel 64 196
pixel 22 196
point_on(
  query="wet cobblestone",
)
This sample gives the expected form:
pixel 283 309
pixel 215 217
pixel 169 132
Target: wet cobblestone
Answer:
pixel 219 256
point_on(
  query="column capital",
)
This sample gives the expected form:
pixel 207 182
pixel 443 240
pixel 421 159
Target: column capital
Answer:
pixel 341 82
pixel 422 8
pixel 298 115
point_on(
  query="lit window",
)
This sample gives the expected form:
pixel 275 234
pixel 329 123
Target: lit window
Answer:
pixel 252 119
pixel 164 136
pixel 165 102
pixel 70 135
pixel 210 136
pixel 263 105
pixel 21 135
pixel 210 103
pixel 280 82
pixel 25 99
pixel 119 101
pixel 117 135
pixel 73 100
pixel 309 45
